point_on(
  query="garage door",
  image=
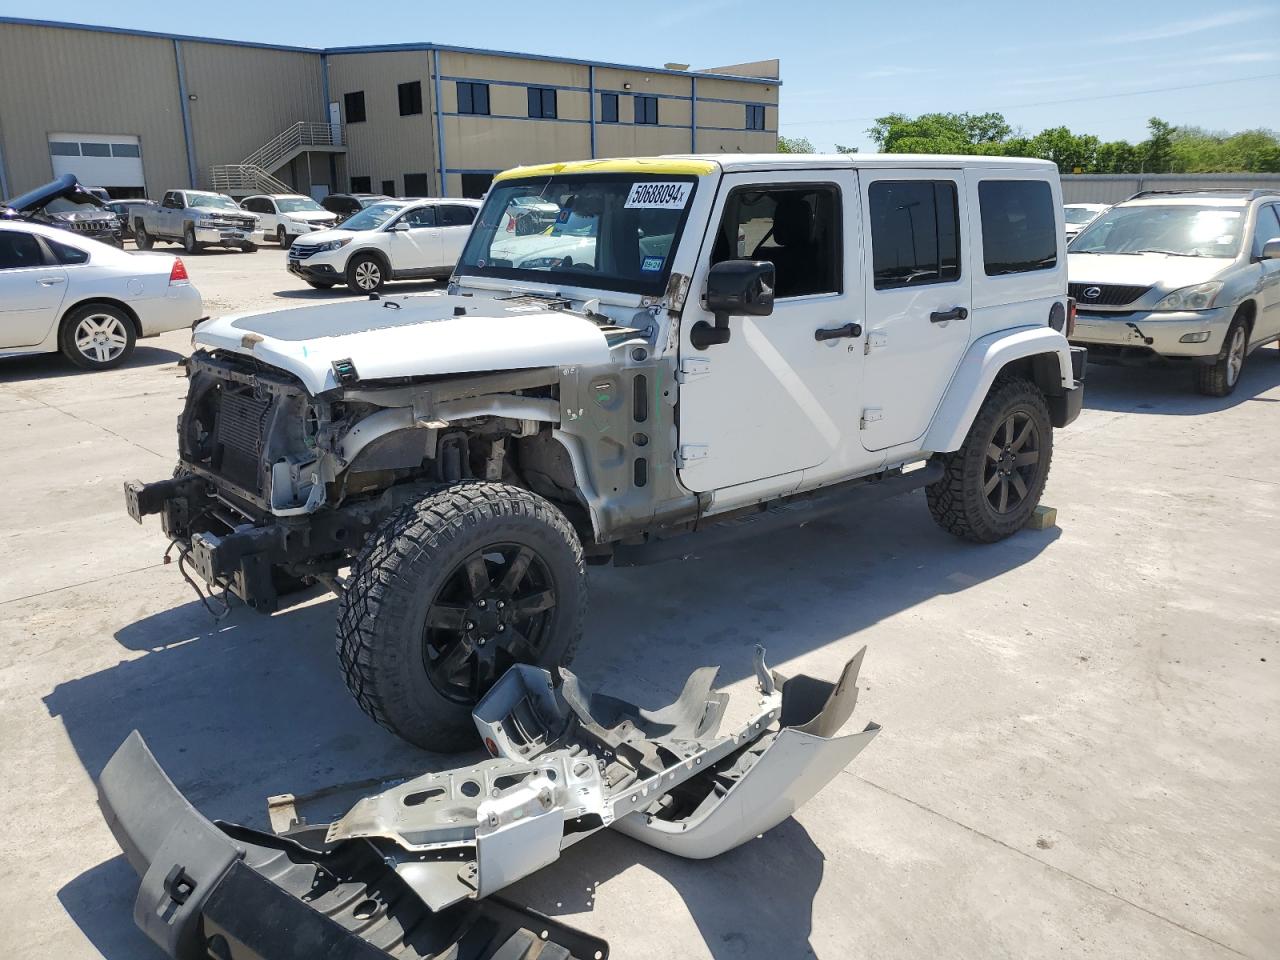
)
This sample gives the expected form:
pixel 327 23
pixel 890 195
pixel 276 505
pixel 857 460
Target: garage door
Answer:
pixel 106 160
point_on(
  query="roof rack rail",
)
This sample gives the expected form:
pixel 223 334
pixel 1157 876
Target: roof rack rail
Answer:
pixel 1241 192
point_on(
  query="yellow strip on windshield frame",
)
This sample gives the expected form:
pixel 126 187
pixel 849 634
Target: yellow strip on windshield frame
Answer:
pixel 651 165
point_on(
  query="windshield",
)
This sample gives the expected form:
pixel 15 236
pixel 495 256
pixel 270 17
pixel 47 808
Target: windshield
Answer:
pixel 212 201
pixel 298 205
pixel 76 203
pixel 1184 230
pixel 373 216
pixel 1079 214
pixel 611 231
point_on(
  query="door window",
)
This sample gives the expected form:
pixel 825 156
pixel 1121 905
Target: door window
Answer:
pixel 421 217
pixel 794 227
pixel 456 215
pixel 915 232
pixel 18 250
pixel 1019 233
pixel 1268 228
pixel 172 200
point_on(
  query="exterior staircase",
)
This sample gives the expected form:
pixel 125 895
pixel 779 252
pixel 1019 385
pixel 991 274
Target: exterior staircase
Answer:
pixel 255 173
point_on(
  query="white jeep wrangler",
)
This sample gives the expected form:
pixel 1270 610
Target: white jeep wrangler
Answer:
pixel 730 336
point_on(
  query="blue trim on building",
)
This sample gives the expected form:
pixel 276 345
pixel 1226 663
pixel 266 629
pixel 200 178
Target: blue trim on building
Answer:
pixel 469 170
pixel 514 83
pixel 591 82
pixel 385 48
pixel 508 116
pixel 645 93
pixel 4 177
pixel 187 135
pixel 433 64
pixel 693 117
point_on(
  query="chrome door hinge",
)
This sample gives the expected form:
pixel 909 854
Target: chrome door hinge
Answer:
pixel 875 338
pixel 690 452
pixel 871 415
pixel 691 368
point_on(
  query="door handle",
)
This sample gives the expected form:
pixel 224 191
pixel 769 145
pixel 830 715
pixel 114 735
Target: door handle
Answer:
pixel 51 281
pixel 955 313
pixel 835 333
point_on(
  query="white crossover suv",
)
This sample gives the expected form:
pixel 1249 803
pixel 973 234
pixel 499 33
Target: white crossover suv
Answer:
pixel 1077 216
pixel 1180 277
pixel 284 217
pixel 60 292
pixel 390 240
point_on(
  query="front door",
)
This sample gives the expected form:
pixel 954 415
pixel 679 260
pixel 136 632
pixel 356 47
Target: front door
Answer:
pixel 31 291
pixel 417 248
pixel 917 298
pixel 774 400
pixel 1267 228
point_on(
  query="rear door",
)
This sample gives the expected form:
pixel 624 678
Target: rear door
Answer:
pixel 455 227
pixel 917 298
pixel 31 290
pixel 418 248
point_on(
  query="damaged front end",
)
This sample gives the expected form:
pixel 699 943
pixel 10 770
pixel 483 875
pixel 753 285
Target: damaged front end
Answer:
pixel 411 871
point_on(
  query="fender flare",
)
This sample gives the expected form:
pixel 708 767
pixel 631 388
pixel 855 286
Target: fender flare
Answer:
pixel 982 363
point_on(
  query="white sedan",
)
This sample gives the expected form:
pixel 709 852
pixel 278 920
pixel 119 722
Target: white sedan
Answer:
pixel 89 301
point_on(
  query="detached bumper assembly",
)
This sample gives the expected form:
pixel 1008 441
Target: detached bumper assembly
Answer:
pixel 411 871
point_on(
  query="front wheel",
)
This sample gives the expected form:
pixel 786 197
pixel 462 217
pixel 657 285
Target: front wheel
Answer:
pixel 189 243
pixel 365 274
pixel 1219 379
pixel 992 484
pixel 446 595
pixel 283 238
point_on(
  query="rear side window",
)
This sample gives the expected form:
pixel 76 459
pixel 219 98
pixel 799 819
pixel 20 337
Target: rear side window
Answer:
pixel 1018 229
pixel 456 215
pixel 915 232
pixel 67 254
pixel 18 250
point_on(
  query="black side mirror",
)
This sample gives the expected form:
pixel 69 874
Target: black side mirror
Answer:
pixel 742 287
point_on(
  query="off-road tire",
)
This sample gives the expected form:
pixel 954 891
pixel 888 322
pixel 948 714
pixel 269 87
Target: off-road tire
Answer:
pixel 1220 378
pixel 141 239
pixel 189 243
pixel 395 580
pixel 957 501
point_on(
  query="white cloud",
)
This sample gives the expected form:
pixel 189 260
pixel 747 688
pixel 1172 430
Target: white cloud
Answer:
pixel 1184 28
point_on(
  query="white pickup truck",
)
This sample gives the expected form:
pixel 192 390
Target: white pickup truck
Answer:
pixel 197 219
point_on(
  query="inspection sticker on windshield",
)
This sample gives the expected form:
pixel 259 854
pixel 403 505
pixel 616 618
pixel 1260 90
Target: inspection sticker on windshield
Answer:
pixel 651 264
pixel 659 196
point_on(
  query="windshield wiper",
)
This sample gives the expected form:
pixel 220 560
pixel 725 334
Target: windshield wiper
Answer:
pixel 1170 253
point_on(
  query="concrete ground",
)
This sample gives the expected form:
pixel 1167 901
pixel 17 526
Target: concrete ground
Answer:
pixel 1081 746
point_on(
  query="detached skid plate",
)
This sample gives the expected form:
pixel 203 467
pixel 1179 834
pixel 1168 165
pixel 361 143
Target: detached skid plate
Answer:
pixel 410 871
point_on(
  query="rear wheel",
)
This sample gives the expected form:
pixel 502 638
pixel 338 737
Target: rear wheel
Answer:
pixel 992 484
pixel 365 273
pixel 141 237
pixel 1219 379
pixel 97 336
pixel 446 595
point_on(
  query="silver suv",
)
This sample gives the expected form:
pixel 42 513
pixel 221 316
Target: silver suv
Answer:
pixel 1180 276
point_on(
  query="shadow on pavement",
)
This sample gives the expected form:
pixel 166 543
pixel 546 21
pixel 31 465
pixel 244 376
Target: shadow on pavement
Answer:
pixel 400 286
pixel 251 706
pixel 98 900
pixel 1170 391
pixel 51 366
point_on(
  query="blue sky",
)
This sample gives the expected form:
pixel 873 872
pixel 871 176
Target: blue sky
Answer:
pixel 1097 67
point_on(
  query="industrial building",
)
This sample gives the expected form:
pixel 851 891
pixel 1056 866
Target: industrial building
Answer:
pixel 139 112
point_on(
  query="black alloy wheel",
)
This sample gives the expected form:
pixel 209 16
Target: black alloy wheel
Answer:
pixel 1013 460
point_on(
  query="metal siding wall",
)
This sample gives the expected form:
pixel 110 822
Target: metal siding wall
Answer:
pixel 55 80
pixel 386 146
pixel 1107 188
pixel 245 96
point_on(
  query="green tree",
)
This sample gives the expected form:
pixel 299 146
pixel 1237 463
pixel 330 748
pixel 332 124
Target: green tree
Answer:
pixel 1156 151
pixel 1117 156
pixel 794 145
pixel 1068 150
pixel 841 148
pixel 938 132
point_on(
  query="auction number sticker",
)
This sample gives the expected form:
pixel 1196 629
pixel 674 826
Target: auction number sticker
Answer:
pixel 671 195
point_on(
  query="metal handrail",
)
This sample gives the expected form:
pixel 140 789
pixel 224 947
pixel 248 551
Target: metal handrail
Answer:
pixel 304 133
pixel 245 177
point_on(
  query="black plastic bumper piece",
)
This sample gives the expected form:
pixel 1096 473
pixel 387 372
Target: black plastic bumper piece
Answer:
pixel 219 890
pixel 1066 406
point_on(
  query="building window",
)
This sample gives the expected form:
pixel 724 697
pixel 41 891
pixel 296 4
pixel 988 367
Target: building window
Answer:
pixel 64 148
pixel 915 232
pixel 796 228
pixel 125 150
pixel 410 98
pixel 473 98
pixel 608 108
pixel 1018 229
pixel 474 185
pixel 361 185
pixel 755 116
pixel 646 108
pixel 96 149
pixel 353 106
pixel 389 188
pixel 542 103
pixel 416 185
